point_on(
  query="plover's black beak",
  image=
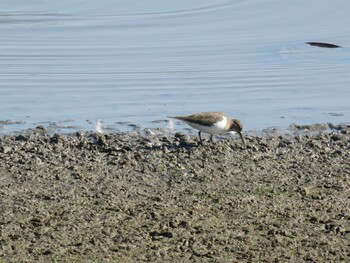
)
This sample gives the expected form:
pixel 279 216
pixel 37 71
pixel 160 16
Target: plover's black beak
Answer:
pixel 240 134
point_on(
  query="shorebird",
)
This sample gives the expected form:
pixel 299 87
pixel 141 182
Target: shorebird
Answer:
pixel 212 123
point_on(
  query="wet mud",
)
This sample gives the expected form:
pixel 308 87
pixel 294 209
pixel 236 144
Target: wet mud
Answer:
pixel 86 197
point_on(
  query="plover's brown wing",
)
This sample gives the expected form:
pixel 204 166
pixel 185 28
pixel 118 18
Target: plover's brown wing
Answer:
pixel 203 118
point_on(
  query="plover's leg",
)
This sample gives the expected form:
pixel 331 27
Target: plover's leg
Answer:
pixel 211 138
pixel 200 138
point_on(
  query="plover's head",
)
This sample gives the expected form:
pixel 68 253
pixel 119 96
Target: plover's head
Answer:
pixel 237 126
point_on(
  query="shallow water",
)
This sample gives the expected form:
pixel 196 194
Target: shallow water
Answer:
pixel 70 63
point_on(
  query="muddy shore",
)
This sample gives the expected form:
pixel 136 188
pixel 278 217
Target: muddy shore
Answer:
pixel 85 197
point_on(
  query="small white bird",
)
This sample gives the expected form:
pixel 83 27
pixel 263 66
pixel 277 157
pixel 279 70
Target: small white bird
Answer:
pixel 212 123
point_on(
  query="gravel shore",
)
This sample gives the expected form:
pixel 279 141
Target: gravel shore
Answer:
pixel 86 197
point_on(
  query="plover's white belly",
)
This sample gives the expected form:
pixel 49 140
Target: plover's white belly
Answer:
pixel 217 128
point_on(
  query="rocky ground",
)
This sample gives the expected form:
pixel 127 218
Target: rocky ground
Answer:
pixel 123 197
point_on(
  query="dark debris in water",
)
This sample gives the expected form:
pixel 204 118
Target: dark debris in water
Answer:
pixel 323 44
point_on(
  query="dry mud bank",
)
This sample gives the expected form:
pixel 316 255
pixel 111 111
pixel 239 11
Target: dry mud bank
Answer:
pixel 127 198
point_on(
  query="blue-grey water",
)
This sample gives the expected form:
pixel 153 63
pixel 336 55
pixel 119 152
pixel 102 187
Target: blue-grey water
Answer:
pixel 73 62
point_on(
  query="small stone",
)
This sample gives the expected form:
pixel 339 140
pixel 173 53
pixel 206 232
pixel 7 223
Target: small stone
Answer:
pixel 313 220
pixel 180 135
pixel 21 138
pixel 337 137
pixel 101 140
pixel 5 149
pixel 80 134
pixel 284 143
pixel 56 138
pixel 41 129
pixel 166 150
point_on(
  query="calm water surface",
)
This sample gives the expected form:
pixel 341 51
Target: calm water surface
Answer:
pixel 72 63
